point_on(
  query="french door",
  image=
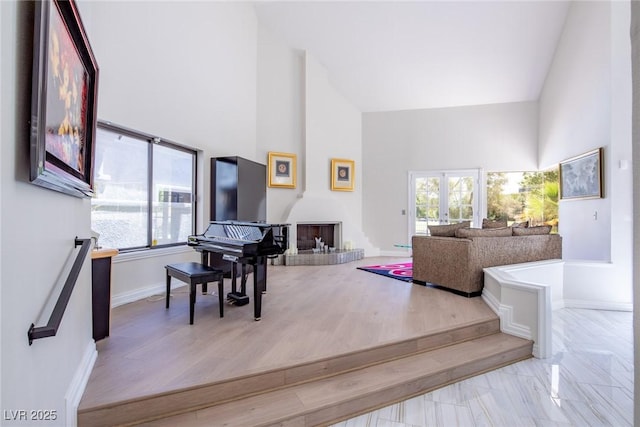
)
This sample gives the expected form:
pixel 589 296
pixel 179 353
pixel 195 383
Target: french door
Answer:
pixel 443 197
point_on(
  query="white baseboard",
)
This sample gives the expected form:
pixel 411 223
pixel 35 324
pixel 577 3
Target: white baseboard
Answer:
pixel 598 305
pixel 142 293
pixel 78 384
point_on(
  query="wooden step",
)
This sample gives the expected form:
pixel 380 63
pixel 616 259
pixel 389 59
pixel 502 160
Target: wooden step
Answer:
pixel 191 398
pixel 341 396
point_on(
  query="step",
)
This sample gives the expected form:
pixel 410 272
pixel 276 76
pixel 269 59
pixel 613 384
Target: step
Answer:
pixel 345 395
pixel 206 395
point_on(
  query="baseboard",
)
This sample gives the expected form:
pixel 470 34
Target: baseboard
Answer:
pixel 444 288
pixel 397 253
pixel 142 293
pixel 598 305
pixel 79 383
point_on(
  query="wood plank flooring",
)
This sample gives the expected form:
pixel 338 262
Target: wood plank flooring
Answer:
pixel 310 313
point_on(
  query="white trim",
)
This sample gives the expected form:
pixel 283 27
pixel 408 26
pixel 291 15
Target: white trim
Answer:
pixel 542 347
pixel 150 253
pixel 478 179
pixel 78 384
pixel 598 305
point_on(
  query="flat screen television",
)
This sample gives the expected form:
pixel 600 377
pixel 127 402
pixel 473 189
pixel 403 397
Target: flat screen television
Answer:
pixel 63 100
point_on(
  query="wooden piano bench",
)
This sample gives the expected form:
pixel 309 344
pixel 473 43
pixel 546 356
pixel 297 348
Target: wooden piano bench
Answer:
pixel 195 273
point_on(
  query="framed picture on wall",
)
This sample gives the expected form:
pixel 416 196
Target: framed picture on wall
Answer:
pixel 342 175
pixel 581 176
pixel 282 170
pixel 64 100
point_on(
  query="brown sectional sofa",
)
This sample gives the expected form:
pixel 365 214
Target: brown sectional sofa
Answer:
pixel 456 263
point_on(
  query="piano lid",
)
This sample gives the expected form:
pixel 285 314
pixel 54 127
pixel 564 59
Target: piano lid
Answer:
pixel 239 230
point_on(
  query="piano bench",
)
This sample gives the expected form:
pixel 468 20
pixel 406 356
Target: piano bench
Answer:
pixel 195 273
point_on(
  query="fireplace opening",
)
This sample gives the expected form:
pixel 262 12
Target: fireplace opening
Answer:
pixel 308 232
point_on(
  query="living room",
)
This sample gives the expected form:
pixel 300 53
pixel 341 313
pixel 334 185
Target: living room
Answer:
pixel 211 76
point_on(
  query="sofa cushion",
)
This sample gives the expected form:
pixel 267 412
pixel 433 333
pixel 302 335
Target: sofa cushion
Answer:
pixel 484 232
pixel 541 229
pixel 448 230
pixel 487 223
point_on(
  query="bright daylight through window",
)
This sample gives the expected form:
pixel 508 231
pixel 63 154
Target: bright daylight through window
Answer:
pixel 144 190
pixel 524 196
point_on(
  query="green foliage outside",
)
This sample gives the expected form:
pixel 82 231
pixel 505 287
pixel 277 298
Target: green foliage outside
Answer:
pixel 536 199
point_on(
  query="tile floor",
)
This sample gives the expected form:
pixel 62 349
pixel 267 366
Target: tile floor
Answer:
pixel 587 382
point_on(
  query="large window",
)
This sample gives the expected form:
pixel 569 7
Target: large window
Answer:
pixel 145 190
pixel 523 196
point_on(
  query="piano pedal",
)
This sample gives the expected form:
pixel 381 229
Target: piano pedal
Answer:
pixel 237 299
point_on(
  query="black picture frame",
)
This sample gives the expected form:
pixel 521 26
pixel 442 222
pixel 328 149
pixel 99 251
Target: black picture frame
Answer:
pixel 63 100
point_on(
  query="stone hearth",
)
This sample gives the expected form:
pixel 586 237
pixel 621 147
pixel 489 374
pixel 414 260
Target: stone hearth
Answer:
pixel 309 258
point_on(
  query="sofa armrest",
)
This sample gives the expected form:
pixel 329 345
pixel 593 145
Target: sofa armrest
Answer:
pixel 442 260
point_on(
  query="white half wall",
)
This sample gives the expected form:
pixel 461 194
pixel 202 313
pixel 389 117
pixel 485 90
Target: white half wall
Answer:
pixel 525 295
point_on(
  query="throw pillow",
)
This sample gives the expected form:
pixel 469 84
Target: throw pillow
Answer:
pixel 487 223
pixel 523 224
pixel 448 230
pixel 484 232
pixel 541 229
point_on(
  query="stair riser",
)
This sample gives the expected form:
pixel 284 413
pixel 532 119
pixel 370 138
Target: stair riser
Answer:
pixel 199 397
pixel 407 390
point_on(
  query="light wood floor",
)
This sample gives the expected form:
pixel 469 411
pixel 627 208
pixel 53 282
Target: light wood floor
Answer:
pixel 309 312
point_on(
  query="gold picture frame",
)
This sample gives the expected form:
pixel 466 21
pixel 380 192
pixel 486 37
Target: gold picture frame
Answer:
pixel 282 170
pixel 342 174
pixel 581 176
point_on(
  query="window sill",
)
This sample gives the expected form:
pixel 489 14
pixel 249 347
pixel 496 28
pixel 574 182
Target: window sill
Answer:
pixel 151 253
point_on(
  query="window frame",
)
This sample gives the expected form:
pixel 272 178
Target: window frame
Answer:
pixel 151 141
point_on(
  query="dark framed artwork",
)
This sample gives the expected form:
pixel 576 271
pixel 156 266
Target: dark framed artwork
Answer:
pixel 342 174
pixel 63 100
pixel 282 170
pixel 581 176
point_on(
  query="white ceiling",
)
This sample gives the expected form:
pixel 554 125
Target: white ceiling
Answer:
pixel 385 55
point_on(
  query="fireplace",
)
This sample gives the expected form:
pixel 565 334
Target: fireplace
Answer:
pixel 307 232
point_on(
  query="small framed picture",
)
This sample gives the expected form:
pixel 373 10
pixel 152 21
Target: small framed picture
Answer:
pixel 282 170
pixel 342 175
pixel 581 176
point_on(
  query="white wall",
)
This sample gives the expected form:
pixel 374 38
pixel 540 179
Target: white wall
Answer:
pixel 185 71
pixel 38 231
pixel 332 129
pixel 280 114
pixel 300 112
pixel 586 104
pixel 635 42
pixel 498 137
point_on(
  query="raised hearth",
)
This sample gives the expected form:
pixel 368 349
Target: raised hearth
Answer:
pixel 337 257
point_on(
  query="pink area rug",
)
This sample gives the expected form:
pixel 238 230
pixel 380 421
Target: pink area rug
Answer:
pixel 401 271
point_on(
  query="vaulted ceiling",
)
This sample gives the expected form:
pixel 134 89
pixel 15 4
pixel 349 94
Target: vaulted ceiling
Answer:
pixel 388 55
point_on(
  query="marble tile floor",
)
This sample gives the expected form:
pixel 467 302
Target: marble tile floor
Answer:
pixel 587 382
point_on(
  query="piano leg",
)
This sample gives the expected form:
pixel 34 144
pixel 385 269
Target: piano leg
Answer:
pixel 243 281
pixel 234 270
pixel 259 285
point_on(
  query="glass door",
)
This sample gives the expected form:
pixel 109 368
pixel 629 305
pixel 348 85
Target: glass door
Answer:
pixel 442 197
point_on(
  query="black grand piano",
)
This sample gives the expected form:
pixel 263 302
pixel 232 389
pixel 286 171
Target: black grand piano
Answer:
pixel 247 244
